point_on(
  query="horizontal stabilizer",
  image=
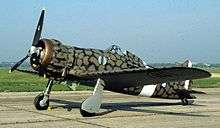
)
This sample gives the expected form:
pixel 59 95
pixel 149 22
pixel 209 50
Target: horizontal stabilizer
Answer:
pixel 196 92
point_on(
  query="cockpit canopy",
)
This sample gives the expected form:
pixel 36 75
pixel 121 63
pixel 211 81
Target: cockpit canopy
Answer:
pixel 130 56
pixel 116 49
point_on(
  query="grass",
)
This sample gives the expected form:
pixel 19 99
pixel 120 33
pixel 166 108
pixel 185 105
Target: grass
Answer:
pixel 212 82
pixel 23 82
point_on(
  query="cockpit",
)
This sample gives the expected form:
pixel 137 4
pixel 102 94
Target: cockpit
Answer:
pixel 116 49
pixel 132 58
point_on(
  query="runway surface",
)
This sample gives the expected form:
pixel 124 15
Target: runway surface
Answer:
pixel 17 110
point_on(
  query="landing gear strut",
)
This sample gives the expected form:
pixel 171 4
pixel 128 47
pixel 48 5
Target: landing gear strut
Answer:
pixel 41 101
pixel 90 106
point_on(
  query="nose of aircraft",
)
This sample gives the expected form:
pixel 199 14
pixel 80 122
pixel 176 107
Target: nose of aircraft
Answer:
pixel 35 51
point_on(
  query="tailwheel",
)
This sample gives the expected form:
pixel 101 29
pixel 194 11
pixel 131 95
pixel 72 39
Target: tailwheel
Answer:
pixel 40 103
pixel 186 101
pixel 186 97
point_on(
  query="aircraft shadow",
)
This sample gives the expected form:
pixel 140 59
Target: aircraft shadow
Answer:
pixel 127 106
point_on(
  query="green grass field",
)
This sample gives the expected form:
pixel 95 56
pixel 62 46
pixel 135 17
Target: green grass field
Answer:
pixel 23 82
pixel 212 82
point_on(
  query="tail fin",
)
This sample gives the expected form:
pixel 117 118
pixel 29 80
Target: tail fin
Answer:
pixel 187 63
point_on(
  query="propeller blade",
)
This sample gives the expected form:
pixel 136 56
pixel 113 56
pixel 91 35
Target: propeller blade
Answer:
pixel 38 31
pixel 18 64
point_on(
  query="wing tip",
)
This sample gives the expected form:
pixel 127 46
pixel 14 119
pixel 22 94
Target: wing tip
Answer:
pixel 209 74
pixel 205 74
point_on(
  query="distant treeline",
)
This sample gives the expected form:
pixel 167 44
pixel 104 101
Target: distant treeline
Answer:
pixel 9 64
pixel 158 65
pixel 200 65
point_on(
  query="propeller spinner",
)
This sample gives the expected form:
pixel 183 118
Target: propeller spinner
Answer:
pixel 35 51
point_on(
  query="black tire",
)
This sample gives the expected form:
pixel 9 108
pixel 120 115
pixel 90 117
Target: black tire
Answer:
pixel 37 100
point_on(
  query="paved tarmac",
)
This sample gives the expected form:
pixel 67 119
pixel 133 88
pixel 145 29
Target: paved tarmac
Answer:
pixel 17 110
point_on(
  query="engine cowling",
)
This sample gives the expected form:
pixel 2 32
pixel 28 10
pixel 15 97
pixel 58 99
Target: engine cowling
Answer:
pixel 53 57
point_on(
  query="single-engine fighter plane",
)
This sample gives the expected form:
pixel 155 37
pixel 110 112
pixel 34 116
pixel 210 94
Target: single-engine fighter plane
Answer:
pixel 109 69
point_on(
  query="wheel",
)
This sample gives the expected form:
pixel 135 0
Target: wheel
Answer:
pixel 185 101
pixel 37 100
pixel 85 113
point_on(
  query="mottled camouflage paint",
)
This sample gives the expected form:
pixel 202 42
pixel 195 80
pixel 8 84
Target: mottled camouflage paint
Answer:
pixel 172 90
pixel 79 60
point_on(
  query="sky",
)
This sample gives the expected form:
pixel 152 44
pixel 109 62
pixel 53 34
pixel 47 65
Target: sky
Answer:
pixel 156 30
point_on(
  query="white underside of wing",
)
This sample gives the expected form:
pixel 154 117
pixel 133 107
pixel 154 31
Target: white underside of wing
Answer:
pixel 148 90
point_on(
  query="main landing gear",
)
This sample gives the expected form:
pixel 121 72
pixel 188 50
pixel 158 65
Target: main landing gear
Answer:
pixel 91 106
pixel 41 101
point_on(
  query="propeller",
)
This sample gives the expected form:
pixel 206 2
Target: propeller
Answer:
pixel 34 51
pixel 18 64
pixel 38 31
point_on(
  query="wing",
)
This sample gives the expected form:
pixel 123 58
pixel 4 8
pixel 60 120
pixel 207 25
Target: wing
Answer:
pixel 143 76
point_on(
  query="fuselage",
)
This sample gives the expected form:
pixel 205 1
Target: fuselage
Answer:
pixel 56 57
pixel 65 63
